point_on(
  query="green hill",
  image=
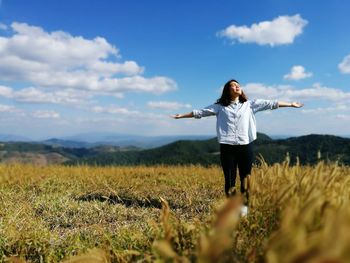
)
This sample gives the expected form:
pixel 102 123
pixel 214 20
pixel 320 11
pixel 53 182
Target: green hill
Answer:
pixel 309 149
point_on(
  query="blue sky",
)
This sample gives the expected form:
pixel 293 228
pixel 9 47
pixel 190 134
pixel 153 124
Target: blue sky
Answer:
pixel 69 67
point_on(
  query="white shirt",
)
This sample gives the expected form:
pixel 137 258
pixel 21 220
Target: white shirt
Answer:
pixel 235 123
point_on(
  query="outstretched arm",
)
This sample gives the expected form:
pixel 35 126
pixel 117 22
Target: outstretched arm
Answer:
pixel 290 104
pixel 180 116
pixel 261 105
pixel 207 111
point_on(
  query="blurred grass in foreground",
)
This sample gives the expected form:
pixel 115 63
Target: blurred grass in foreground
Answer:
pixel 173 214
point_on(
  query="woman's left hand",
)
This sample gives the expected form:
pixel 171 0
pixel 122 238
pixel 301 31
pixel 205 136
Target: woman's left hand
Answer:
pixel 297 105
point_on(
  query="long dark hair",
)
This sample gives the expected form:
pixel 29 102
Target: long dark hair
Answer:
pixel 225 98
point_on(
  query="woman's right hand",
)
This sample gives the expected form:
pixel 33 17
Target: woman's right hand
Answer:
pixel 180 116
pixel 176 116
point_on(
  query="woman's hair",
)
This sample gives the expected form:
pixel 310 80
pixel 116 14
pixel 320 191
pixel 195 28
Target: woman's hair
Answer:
pixel 225 98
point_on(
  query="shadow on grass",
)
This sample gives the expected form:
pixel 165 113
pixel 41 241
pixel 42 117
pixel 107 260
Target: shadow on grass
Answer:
pixel 127 201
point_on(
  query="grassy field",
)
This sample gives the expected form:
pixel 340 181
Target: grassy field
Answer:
pixel 173 214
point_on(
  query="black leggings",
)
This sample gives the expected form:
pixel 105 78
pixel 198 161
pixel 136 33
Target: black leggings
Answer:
pixel 232 156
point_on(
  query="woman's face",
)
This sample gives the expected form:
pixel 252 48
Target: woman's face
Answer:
pixel 235 89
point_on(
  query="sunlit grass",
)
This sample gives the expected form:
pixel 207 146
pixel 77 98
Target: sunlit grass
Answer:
pixel 173 213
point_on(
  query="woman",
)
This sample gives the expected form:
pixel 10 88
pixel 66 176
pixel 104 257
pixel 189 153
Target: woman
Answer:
pixel 236 130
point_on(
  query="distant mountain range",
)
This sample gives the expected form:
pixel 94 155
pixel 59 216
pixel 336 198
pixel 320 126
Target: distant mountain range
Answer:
pixel 13 138
pixel 309 149
pixel 90 140
pixel 93 139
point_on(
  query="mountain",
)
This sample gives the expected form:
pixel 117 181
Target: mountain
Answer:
pixel 309 149
pixel 67 143
pixel 13 138
pixel 90 140
pixel 280 136
pixel 42 154
pixel 26 152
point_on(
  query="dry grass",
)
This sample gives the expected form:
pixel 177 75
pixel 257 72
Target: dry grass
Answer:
pixel 172 214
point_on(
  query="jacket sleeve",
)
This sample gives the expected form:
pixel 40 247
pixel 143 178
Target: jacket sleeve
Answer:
pixel 261 105
pixel 207 111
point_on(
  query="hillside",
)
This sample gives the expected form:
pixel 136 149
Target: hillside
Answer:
pixel 42 154
pixel 90 140
pixel 309 149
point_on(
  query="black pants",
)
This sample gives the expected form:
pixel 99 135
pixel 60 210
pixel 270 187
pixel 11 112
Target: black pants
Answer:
pixel 232 156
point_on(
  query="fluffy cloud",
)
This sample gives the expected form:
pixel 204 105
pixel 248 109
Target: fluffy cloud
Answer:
pixel 7 108
pixel 58 48
pixel 343 117
pixel 296 73
pixel 167 105
pixel 58 60
pixel 344 66
pixel 126 114
pixel 316 92
pixel 280 31
pixel 114 110
pixel 5 92
pixel 336 108
pixel 36 95
pixel 46 114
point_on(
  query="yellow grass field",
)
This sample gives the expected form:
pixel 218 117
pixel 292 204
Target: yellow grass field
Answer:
pixel 173 214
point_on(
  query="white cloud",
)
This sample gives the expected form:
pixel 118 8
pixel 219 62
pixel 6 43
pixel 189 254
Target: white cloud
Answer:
pixel 109 68
pixel 284 92
pixel 296 73
pixel 127 114
pixel 5 92
pixel 46 114
pixel 344 117
pixel 280 31
pixel 167 105
pixel 323 110
pixel 58 48
pixel 36 95
pixel 156 85
pixel 114 110
pixel 59 60
pixel 7 108
pixel 344 66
